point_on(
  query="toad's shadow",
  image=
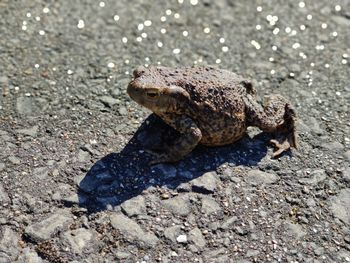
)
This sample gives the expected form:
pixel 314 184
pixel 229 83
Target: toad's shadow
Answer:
pixel 118 177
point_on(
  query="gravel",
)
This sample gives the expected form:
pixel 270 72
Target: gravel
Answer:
pixel 109 101
pixel 195 236
pixel 132 231
pixel 314 178
pixel 75 184
pixel 4 198
pixel 78 239
pixel 32 132
pixel 205 183
pixel 134 206
pixel 209 205
pixel 179 205
pixel 294 230
pixel 29 255
pixel 46 228
pixel 181 239
pixel 337 204
pixel 257 177
pixel 171 233
pixel 9 249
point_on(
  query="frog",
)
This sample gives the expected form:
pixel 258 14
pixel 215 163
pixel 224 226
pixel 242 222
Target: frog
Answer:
pixel 210 106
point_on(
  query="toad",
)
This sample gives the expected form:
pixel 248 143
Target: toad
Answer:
pixel 210 106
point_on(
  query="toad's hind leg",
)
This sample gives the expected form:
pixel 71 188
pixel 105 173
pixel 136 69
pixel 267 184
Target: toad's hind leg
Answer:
pixel 275 116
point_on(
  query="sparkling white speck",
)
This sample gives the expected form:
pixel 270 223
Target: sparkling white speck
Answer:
pixel 147 23
pixel 296 45
pixel 319 47
pixel 255 44
pixel 81 24
pixel 206 30
pixel 337 8
pixel 140 27
pixel 276 31
pixel 224 48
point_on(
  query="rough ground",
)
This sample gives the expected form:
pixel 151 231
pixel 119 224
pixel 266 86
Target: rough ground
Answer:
pixel 75 185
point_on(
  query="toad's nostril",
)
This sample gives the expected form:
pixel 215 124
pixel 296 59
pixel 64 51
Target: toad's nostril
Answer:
pixel 139 71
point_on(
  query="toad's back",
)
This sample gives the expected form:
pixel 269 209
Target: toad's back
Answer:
pixel 216 101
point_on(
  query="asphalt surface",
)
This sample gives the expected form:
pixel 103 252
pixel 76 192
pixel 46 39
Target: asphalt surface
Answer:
pixel 75 183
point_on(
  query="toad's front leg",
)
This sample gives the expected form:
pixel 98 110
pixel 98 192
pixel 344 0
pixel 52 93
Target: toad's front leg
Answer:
pixel 190 136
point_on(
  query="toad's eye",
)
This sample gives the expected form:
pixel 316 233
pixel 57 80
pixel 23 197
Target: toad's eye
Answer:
pixel 152 94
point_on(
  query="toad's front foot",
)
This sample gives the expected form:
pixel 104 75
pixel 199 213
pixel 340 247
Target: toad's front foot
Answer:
pixel 183 145
pixel 162 158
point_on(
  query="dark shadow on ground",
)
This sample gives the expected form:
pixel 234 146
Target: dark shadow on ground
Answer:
pixel 118 177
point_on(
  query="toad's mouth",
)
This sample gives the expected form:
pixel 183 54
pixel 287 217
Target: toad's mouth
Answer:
pixel 136 92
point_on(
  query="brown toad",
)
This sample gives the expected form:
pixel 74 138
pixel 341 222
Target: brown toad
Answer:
pixel 209 106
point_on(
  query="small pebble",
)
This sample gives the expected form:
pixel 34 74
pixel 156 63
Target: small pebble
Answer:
pixel 181 239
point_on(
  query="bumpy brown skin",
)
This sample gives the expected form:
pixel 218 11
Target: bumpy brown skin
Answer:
pixel 209 106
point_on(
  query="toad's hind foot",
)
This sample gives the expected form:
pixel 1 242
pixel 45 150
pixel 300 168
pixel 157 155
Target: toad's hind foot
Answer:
pixel 287 131
pixel 289 141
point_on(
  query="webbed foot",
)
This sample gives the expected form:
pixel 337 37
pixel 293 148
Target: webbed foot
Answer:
pixel 190 136
pixel 162 158
pixel 289 141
